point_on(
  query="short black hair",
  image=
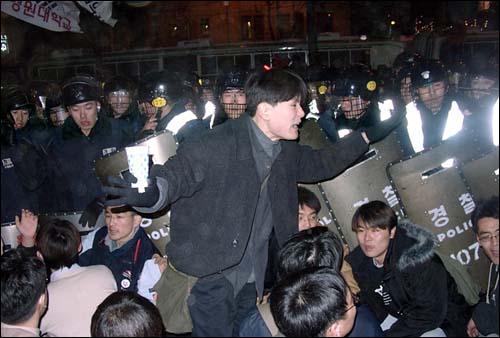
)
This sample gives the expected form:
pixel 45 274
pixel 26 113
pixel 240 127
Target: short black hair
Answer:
pixel 485 208
pixel 314 247
pixel 306 304
pixel 126 314
pixel 374 214
pixel 58 240
pixel 23 282
pixel 308 198
pixel 273 86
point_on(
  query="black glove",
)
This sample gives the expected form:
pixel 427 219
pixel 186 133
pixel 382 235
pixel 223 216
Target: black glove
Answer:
pixel 91 213
pixel 125 194
pixel 379 131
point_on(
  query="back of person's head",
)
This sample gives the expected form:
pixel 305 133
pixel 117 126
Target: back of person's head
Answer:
pixel 374 214
pixel 59 242
pixel 311 248
pixel 308 303
pixel 308 198
pixel 23 282
pixel 273 87
pixel 484 209
pixel 126 314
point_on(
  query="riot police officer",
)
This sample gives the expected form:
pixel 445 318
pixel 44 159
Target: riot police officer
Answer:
pixel 355 92
pixel 480 104
pixel 231 93
pixel 166 93
pixel 21 113
pixel 434 116
pixel 84 137
pixel 119 93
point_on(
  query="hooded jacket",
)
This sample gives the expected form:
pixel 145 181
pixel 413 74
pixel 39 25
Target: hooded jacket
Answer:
pixel 413 286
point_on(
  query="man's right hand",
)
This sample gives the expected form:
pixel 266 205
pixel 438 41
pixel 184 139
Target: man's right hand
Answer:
pixel 125 194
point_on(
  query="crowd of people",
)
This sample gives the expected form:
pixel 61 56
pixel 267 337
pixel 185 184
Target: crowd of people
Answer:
pixel 247 255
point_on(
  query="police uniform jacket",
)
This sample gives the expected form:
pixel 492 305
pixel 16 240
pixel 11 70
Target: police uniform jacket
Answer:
pixel 75 154
pixel 214 187
pixel 413 286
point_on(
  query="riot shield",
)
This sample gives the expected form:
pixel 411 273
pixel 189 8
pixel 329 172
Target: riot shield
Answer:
pixel 326 216
pixel 437 198
pixel 312 135
pixel 481 175
pixel 162 146
pixel 365 181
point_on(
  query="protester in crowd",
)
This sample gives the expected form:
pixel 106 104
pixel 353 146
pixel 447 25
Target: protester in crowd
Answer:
pixel 126 314
pixel 227 251
pixel 402 279
pixel 122 245
pixel 484 321
pixel 74 291
pixel 313 303
pixel 24 294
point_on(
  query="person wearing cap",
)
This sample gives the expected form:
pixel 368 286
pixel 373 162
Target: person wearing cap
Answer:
pixel 84 137
pixel 122 245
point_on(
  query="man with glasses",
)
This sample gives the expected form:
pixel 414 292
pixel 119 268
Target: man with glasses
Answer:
pixel 484 321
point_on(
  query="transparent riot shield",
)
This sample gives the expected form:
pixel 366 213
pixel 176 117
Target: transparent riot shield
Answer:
pixel 162 146
pixel 436 197
pixel 481 175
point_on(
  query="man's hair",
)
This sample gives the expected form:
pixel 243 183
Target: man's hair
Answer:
pixel 311 248
pixel 308 198
pixel 273 87
pixel 126 314
pixel 374 214
pixel 24 281
pixel 58 241
pixel 485 208
pixel 306 304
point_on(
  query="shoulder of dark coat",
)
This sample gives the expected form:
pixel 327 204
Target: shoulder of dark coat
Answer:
pixel 421 251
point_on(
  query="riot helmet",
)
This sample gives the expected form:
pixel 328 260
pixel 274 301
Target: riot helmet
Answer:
pixel 403 67
pixel 17 98
pixel 231 89
pixel 119 92
pixel 207 90
pixel 354 89
pixel 161 88
pixel 481 87
pixel 55 111
pixel 18 106
pixel 405 59
pixel 430 82
pixel 80 89
pixel 318 79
